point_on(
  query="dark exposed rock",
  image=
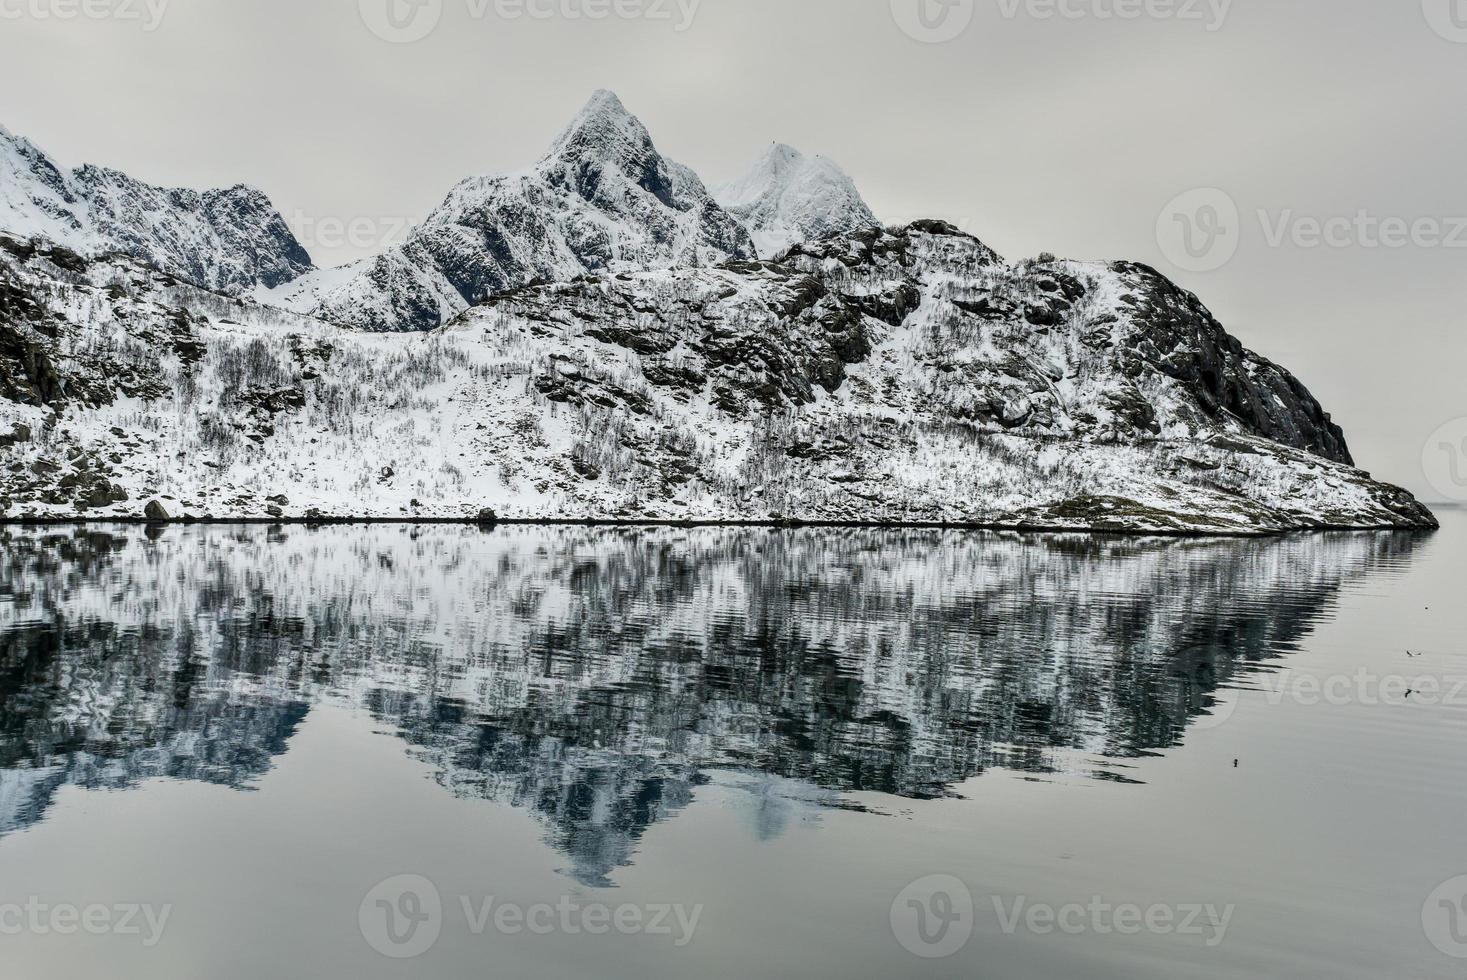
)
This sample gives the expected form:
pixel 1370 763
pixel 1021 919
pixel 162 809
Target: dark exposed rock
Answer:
pixel 19 433
pixel 632 339
pixel 585 469
pixel 274 401
pixel 155 512
pixel 27 373
pixel 1178 336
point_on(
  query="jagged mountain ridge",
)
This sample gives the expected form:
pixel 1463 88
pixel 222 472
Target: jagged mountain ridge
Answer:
pixel 787 198
pixel 602 198
pixel 902 376
pixel 232 240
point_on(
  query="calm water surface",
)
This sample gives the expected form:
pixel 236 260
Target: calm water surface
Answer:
pixel 440 752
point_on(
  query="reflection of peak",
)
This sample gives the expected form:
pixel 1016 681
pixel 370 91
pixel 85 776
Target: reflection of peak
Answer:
pixel 593 677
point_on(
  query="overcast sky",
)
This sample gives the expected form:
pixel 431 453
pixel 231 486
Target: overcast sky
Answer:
pixel 1038 125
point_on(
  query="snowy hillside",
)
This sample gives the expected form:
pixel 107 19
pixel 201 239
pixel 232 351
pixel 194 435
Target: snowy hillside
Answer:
pixel 901 376
pixel 231 240
pixel 601 198
pixel 788 198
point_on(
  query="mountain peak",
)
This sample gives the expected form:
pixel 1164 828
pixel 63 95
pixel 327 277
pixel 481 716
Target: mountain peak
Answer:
pixel 603 128
pixel 604 99
pixel 602 197
pixel 780 155
pixel 787 197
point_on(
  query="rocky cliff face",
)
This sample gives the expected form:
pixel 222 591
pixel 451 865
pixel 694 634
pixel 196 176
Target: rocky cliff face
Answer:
pixel 229 240
pixel 602 198
pixel 787 198
pixel 908 376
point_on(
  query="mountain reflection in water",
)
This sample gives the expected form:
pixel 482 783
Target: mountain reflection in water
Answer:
pixel 597 677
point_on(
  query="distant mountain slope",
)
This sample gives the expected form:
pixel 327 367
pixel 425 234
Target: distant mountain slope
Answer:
pixel 788 198
pixel 601 198
pixel 890 376
pixel 231 240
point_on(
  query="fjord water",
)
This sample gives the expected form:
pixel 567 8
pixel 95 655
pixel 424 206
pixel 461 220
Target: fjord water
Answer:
pixel 805 750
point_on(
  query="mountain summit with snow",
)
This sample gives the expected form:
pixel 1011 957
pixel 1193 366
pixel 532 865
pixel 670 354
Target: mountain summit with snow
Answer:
pixel 594 338
pixel 602 198
pixel 788 198
pixel 232 240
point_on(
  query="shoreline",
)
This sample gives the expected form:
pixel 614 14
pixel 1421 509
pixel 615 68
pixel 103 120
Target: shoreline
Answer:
pixel 783 525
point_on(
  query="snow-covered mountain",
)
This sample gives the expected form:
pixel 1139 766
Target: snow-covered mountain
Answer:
pixel 787 198
pixel 908 375
pixel 231 240
pixel 594 338
pixel 603 198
